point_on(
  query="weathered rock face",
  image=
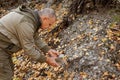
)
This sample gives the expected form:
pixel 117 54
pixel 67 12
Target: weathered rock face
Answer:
pixel 87 45
pixel 87 39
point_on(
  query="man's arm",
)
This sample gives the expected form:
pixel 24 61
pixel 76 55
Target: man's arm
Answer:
pixel 41 44
pixel 25 32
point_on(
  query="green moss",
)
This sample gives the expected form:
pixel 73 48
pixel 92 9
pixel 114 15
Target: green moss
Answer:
pixel 116 18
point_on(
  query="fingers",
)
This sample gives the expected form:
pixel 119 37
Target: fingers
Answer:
pixel 53 53
pixel 55 65
pixel 51 61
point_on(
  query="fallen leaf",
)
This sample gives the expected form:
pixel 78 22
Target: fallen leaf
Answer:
pixel 83 74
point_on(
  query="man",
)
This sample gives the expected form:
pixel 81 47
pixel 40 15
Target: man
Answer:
pixel 19 30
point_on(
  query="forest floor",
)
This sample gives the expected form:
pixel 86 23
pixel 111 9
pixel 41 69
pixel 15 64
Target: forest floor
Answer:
pixel 90 44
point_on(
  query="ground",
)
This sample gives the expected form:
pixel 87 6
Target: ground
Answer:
pixel 90 44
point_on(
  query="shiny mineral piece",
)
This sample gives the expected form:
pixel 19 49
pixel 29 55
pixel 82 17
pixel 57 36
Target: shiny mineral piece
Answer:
pixel 61 60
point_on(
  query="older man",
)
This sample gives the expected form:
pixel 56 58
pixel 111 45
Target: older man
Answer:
pixel 19 30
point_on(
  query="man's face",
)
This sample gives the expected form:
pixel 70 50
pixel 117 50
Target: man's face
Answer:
pixel 47 22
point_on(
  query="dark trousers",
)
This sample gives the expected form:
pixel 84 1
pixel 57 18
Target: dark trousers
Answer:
pixel 6 64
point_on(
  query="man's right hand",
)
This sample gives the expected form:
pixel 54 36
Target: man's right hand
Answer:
pixel 51 61
pixel 53 53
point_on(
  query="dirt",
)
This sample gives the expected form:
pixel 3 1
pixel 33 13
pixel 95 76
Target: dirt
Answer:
pixel 87 38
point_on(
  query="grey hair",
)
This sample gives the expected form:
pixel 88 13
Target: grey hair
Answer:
pixel 47 12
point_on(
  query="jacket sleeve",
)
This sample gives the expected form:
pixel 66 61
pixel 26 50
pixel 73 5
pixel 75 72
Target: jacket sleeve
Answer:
pixel 25 34
pixel 41 44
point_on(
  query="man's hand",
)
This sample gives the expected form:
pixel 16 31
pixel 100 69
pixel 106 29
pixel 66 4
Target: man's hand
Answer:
pixel 53 53
pixel 51 61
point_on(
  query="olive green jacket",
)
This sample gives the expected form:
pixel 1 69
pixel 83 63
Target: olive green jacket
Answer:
pixel 21 28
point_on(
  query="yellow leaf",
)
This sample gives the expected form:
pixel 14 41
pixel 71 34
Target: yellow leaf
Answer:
pixel 16 79
pixel 49 73
pixel 71 76
pixel 66 74
pixel 100 44
pixel 112 47
pixel 105 74
pixel 83 74
pixel 87 54
pixel 14 59
pixel 104 39
pixel 84 49
pixel 102 52
pixel 90 22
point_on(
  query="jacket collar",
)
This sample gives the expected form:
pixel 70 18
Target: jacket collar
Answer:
pixel 37 18
pixel 34 13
